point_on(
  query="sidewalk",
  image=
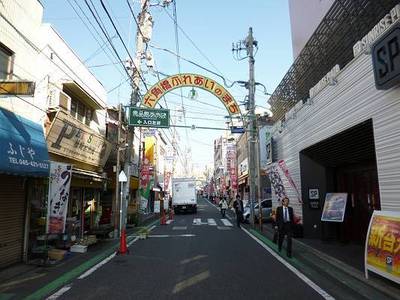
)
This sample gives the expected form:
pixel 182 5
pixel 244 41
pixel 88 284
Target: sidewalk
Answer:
pixel 23 281
pixel 316 260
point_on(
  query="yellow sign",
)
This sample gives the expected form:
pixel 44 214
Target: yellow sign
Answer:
pixel 170 83
pixel 382 249
pixel 72 139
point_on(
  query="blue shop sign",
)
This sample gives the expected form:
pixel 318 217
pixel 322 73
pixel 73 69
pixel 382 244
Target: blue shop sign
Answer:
pixel 23 148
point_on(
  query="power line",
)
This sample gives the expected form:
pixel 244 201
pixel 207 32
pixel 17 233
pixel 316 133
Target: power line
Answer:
pixel 122 41
pixel 105 42
pixel 99 23
pixel 193 43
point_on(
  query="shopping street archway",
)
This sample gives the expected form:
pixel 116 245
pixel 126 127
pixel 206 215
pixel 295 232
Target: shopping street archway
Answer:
pixel 158 90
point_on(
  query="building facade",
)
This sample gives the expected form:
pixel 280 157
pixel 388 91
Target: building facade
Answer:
pixel 343 136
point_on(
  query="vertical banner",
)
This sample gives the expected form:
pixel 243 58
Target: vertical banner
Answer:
pixel 382 245
pixel 60 181
pixel 276 182
pixel 285 171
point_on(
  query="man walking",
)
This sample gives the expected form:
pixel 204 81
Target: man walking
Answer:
pixel 285 221
pixel 238 206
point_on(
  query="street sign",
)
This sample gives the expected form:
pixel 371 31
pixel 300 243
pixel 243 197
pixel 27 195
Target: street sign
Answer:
pixel 148 117
pixel 235 129
pixel 122 177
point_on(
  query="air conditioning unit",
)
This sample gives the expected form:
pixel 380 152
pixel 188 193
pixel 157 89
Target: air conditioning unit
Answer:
pixel 58 98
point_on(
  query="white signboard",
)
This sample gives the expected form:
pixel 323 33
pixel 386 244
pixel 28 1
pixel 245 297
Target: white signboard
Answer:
pixel 157 206
pixel 59 184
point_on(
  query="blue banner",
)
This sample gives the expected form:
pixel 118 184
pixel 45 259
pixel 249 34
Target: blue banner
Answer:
pixel 23 148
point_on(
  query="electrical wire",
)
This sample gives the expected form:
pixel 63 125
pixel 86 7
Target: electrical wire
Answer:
pixel 99 23
pixel 105 42
pixel 122 41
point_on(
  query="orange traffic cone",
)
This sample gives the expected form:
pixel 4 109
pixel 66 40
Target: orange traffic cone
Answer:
pixel 123 249
pixel 163 220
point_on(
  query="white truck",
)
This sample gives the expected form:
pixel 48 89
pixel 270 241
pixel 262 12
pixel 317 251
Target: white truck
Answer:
pixel 184 196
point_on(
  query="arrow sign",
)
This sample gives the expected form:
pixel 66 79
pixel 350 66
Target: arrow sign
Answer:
pixel 122 177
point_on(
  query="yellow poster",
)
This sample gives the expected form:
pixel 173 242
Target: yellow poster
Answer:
pixel 382 250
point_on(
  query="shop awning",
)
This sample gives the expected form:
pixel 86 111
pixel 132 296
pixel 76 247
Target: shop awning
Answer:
pixel 85 174
pixel 23 148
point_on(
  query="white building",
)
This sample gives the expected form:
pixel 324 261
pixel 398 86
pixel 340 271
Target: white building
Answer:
pixel 44 85
pixel 305 16
pixel 341 134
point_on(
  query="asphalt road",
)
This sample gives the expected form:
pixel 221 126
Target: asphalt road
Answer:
pixel 193 259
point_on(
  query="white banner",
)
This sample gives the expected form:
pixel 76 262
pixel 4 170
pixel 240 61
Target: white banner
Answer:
pixel 59 184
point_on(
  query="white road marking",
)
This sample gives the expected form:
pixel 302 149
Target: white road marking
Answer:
pixel 197 221
pixel 211 222
pixel 315 287
pixel 190 281
pixel 66 288
pixel 171 235
pixel 226 222
pixel 179 228
pixel 103 262
pixel 94 268
pixel 188 260
pixel 60 292
pixel 223 228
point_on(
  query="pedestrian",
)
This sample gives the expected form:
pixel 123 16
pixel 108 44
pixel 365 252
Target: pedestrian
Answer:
pixel 223 207
pixel 238 206
pixel 285 222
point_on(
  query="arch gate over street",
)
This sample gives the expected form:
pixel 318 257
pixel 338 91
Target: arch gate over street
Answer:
pixel 157 91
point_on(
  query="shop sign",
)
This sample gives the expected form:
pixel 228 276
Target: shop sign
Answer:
pixel 244 167
pixel 386 22
pixel 386 59
pixel 157 91
pixel 148 117
pixel 59 184
pixel 328 79
pixel 313 198
pixel 334 207
pixel 70 138
pixel 23 149
pixel 382 246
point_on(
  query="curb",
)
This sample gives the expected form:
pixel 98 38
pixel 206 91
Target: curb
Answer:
pixel 376 283
pixel 77 271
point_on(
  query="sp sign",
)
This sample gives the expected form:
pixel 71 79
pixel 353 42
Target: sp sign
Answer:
pixel 386 59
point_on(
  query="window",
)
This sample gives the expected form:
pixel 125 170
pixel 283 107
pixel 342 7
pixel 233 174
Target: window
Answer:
pixel 6 62
pixel 81 112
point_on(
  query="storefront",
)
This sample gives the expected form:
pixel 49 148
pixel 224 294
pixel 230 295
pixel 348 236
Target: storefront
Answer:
pixel 24 170
pixel 343 139
pixel 72 142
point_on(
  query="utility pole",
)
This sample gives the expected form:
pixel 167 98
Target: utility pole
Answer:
pixel 249 43
pixel 117 206
pixel 143 20
pixel 252 126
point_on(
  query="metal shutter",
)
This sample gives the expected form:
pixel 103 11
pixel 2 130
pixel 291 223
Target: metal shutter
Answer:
pixel 12 212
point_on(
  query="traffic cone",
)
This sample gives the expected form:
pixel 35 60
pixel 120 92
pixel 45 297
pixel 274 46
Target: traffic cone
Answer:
pixel 163 218
pixel 123 249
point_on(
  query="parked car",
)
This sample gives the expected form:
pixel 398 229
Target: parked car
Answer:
pixel 266 206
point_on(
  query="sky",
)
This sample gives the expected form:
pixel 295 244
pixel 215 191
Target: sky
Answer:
pixel 206 31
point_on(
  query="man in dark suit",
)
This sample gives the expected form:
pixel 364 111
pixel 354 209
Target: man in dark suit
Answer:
pixel 285 222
